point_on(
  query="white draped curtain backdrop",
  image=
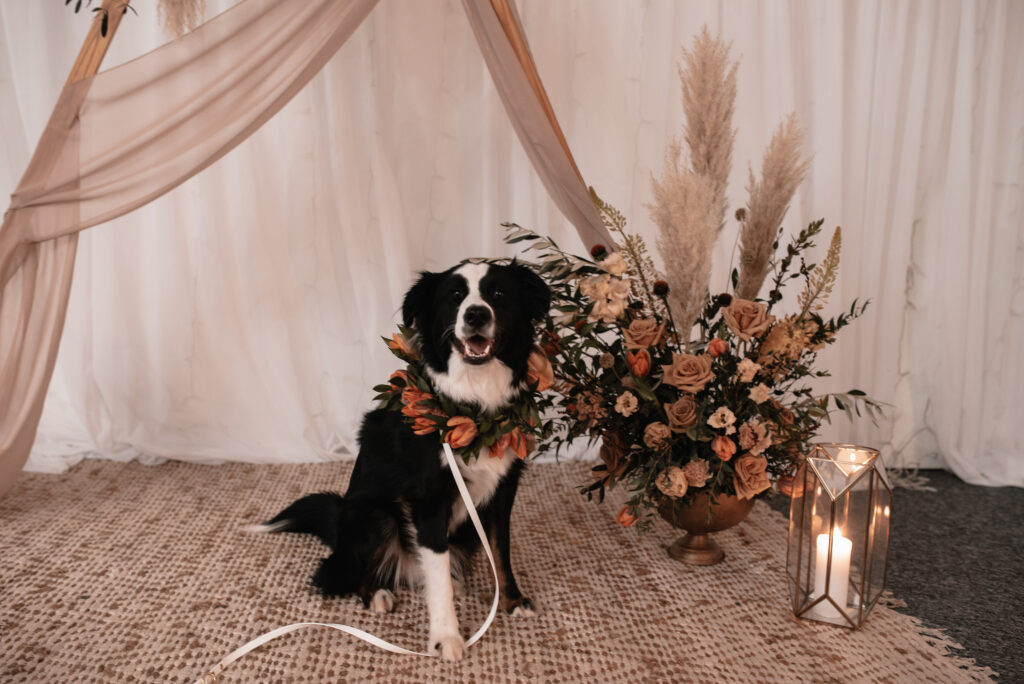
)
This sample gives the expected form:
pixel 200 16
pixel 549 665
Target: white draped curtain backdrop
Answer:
pixel 238 317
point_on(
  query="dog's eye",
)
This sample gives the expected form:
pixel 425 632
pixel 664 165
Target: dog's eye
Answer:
pixel 498 292
pixel 457 294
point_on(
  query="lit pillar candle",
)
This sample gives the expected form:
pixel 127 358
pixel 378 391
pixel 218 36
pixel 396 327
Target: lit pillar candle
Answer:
pixel 839 577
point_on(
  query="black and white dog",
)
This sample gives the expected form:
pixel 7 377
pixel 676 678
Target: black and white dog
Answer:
pixel 402 521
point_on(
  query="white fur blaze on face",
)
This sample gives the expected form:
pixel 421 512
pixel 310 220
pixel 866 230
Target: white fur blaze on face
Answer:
pixel 476 342
pixel 445 640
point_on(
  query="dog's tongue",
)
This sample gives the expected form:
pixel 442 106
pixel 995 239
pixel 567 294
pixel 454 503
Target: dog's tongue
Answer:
pixel 478 346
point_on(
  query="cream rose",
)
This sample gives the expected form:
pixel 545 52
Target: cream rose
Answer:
pixel 751 476
pixel 746 370
pixel 614 264
pixel 682 415
pixel 688 372
pixel 672 482
pixel 747 319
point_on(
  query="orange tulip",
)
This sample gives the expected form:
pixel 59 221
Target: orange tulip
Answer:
pixel 462 433
pixel 624 518
pixel 423 425
pixel 404 375
pixel 723 447
pixel 539 370
pixel 717 347
pixel 401 345
pixel 639 362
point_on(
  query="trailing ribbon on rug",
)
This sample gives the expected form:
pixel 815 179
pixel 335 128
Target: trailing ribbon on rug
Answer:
pixel 240 652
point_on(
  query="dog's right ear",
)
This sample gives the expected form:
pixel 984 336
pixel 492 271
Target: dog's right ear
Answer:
pixel 418 300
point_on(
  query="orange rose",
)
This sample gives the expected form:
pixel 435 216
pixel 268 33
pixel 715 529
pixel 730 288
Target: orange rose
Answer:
pixel 746 318
pixel 723 447
pixel 539 371
pixel 403 346
pixel 716 347
pixel 688 372
pixel 624 518
pixel 643 333
pixel 682 415
pixel 639 362
pixel 462 433
pixel 751 476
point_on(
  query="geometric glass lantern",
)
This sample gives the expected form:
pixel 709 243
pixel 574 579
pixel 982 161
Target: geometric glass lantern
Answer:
pixel 838 544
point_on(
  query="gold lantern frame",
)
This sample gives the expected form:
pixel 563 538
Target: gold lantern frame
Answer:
pixel 832 474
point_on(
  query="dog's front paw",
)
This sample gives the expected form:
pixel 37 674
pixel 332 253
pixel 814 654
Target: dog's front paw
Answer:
pixel 382 602
pixel 448 647
pixel 520 607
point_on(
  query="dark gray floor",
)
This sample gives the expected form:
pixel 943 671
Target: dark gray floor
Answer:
pixel 956 558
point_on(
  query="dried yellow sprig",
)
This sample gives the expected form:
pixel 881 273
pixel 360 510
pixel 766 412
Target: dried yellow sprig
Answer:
pixel 822 279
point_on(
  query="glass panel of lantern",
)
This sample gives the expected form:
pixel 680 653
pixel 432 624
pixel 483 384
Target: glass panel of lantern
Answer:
pixel 838 542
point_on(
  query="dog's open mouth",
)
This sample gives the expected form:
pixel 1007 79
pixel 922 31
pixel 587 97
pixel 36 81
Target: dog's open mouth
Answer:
pixel 476 349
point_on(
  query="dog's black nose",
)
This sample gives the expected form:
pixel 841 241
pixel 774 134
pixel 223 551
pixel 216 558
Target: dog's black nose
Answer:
pixel 477 316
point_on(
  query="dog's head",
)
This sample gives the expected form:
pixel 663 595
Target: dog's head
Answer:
pixel 476 317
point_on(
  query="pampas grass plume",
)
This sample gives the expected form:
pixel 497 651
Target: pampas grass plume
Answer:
pixel 179 16
pixel 782 170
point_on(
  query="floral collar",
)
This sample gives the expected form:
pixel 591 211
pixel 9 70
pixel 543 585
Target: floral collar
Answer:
pixel 461 425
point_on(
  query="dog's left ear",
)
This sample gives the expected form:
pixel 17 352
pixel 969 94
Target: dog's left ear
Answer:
pixel 418 300
pixel 536 293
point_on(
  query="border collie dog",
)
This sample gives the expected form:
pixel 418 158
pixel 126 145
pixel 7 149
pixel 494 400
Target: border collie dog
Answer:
pixel 402 520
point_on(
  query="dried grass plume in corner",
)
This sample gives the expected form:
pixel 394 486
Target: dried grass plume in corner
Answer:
pixel 179 16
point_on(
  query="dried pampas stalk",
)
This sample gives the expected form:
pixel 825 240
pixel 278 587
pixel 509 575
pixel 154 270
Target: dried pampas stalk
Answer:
pixel 709 96
pixel 684 211
pixel 179 16
pixel 782 170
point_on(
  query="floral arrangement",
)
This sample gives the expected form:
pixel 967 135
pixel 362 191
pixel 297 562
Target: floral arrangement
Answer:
pixel 462 426
pixel 688 391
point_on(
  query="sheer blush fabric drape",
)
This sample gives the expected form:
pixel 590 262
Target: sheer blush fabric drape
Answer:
pixel 128 135
pixel 187 339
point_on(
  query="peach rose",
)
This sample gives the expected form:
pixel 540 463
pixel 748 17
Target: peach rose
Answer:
pixel 751 476
pixel 462 433
pixel 539 371
pixel 688 372
pixel 656 435
pixel 639 362
pixel 747 319
pixel 716 347
pixel 682 415
pixel 624 518
pixel 723 447
pixel 754 437
pixel 643 333
pixel 672 482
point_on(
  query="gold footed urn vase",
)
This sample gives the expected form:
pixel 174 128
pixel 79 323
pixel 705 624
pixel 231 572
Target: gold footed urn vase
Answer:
pixel 699 517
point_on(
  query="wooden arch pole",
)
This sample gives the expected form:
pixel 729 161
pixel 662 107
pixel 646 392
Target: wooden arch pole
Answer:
pixel 94 49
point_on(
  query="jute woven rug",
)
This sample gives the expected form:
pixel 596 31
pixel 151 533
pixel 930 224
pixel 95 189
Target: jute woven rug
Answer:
pixel 128 573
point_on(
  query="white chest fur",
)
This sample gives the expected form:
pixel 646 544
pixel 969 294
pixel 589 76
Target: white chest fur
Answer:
pixel 482 476
pixel 488 385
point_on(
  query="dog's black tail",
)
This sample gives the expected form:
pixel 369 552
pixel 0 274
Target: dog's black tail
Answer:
pixel 317 514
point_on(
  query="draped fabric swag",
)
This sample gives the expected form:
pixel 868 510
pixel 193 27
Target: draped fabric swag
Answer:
pixel 128 135
pixel 237 317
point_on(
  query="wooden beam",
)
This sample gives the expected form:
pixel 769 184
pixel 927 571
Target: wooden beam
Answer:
pixel 95 46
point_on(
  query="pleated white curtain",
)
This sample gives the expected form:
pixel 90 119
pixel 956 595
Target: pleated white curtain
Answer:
pixel 236 317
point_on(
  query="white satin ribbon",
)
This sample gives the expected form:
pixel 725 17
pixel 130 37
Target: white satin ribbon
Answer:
pixel 211 676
